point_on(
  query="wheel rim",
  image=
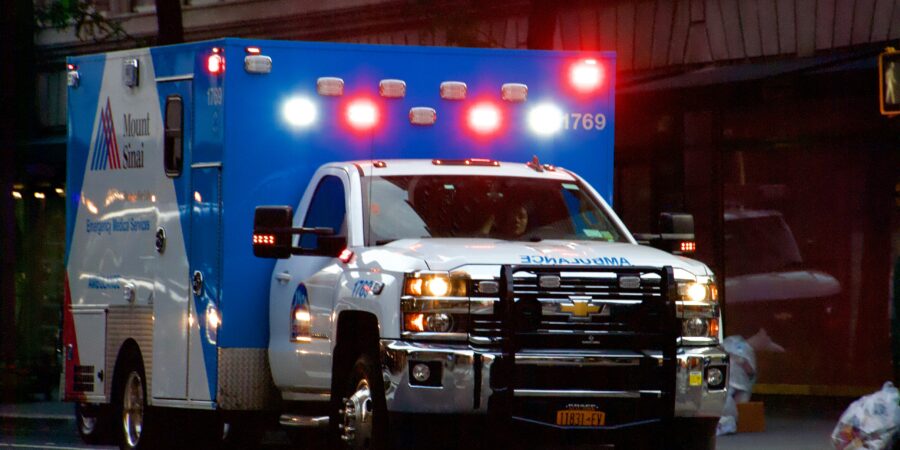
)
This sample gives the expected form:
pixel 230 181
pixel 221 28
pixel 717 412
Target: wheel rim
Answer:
pixel 358 414
pixel 133 409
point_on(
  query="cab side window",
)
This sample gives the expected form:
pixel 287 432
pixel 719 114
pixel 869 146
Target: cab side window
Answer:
pixel 327 209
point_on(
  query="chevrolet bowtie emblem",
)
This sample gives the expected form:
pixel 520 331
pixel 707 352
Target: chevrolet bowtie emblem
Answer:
pixel 580 308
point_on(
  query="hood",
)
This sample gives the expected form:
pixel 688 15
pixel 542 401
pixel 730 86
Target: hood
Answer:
pixel 448 254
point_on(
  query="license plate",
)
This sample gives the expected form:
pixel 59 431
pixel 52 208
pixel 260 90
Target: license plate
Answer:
pixel 580 418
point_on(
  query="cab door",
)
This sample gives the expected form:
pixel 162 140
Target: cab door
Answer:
pixel 303 361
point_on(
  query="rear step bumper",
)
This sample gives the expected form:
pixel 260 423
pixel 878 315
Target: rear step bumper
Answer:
pixel 461 381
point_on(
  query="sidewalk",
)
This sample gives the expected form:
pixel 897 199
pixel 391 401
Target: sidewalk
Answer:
pixel 49 410
pixel 792 423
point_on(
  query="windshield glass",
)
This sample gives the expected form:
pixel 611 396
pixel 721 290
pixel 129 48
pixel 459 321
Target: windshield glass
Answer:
pixel 413 207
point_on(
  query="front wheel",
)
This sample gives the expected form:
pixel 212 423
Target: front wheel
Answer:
pixel 360 409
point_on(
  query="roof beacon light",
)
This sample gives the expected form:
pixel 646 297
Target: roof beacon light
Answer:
pixel 421 115
pixel 586 75
pixel 453 90
pixel 330 86
pixel 215 63
pixel 299 112
pixel 514 92
pixel 545 119
pixel 392 88
pixel 484 118
pixel 362 114
pixel 256 62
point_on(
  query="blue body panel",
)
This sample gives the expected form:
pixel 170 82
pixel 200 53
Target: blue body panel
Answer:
pixel 237 120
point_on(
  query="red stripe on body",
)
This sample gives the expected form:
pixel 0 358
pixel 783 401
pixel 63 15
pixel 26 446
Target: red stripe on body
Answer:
pixel 70 339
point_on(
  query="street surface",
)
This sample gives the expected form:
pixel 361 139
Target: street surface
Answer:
pixel 791 424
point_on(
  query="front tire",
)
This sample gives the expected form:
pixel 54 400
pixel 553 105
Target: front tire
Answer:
pixel 360 409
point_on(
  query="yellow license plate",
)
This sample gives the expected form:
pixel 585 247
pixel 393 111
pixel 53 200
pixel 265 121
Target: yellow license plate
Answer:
pixel 580 418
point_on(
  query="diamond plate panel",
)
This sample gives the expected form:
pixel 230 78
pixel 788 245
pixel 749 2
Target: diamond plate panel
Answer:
pixel 245 381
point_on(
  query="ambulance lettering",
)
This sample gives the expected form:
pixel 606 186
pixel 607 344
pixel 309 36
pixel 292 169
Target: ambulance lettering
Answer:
pixel 576 261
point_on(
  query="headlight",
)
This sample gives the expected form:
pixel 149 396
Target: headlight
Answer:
pixel 435 284
pixel 435 306
pixel 698 308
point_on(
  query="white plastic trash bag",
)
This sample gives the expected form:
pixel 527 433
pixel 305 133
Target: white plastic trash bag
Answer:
pixel 871 422
pixel 741 378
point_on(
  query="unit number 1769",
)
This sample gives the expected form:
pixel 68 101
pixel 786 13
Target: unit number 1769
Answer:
pixel 584 121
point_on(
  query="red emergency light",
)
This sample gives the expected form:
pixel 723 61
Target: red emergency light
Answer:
pixel 362 114
pixel 586 75
pixel 485 118
pixel 215 63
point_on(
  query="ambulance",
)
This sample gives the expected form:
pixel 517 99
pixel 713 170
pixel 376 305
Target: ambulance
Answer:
pixel 347 238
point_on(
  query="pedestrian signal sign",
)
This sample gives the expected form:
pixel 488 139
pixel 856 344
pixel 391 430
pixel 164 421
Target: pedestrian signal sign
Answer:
pixel 889 81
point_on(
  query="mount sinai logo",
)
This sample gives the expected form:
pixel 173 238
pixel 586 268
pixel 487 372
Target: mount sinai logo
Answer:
pixel 106 154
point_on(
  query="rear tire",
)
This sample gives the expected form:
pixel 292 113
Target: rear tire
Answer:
pixel 93 423
pixel 132 419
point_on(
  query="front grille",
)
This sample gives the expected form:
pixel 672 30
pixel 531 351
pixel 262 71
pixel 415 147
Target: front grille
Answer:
pixel 575 308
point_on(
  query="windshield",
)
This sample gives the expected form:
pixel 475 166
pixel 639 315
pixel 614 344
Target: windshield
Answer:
pixel 413 207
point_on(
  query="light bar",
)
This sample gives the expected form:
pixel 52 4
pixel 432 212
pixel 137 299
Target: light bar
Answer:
pixel 421 115
pixel 466 162
pixel 330 86
pixel 392 88
pixel 453 90
pixel 256 63
pixel 688 246
pixel 253 50
pixel 514 92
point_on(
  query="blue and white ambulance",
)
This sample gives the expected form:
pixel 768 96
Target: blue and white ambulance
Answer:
pixel 343 235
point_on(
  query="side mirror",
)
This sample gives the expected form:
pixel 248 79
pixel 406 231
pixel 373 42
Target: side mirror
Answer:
pixel 272 231
pixel 676 234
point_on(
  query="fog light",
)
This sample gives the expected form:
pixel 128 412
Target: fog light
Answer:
pixel 695 327
pixel 715 378
pixel 421 373
pixel 438 323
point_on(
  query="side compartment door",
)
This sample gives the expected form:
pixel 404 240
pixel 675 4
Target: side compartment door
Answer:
pixel 206 268
pixel 171 311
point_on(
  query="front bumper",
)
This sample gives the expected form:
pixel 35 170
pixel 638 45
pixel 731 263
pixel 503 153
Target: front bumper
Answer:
pixel 464 386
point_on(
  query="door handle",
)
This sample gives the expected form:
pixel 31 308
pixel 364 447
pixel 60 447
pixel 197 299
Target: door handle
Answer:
pixel 283 277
